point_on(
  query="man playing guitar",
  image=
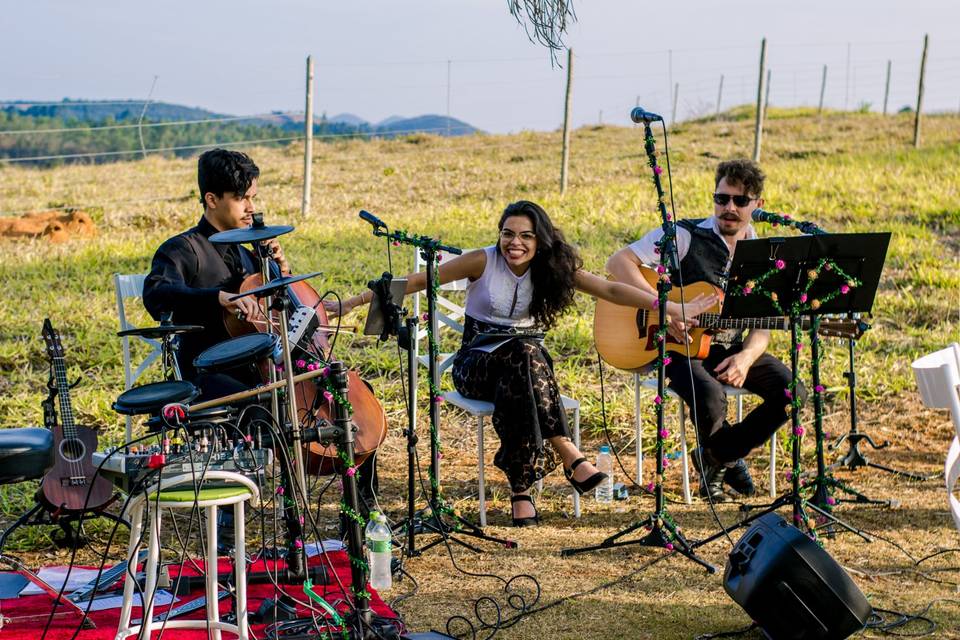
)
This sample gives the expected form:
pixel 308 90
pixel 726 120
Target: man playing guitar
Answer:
pixel 704 250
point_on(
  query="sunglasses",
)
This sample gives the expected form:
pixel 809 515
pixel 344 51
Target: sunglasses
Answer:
pixel 723 198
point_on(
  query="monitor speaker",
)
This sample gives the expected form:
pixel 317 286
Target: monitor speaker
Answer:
pixel 791 587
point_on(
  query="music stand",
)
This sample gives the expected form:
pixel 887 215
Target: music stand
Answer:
pixel 860 257
pixel 804 278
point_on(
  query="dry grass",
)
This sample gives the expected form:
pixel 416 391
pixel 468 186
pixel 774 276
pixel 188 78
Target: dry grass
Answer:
pixel 848 173
pixel 675 598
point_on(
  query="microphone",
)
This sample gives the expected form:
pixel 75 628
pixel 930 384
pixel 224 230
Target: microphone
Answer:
pixel 372 219
pixel 759 215
pixel 638 115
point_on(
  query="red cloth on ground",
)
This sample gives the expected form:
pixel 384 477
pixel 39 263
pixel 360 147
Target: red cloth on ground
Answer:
pixel 36 609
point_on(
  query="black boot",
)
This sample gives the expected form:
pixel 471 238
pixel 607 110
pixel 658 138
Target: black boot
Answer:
pixel 710 475
pixel 737 477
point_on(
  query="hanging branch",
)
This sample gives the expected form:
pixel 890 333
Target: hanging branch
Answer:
pixel 545 21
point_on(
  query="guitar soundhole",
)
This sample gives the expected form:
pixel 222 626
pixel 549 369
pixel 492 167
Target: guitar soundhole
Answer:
pixel 72 450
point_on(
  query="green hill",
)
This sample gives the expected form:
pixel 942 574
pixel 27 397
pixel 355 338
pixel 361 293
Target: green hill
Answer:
pixel 107 131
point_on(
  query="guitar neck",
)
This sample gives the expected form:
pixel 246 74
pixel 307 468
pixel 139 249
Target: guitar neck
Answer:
pixel 714 321
pixel 63 390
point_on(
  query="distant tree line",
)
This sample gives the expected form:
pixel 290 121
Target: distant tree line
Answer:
pixel 172 136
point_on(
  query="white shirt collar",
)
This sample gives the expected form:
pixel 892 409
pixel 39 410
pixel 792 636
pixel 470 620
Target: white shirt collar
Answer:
pixel 711 223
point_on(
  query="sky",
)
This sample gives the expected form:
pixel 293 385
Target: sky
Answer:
pixel 380 58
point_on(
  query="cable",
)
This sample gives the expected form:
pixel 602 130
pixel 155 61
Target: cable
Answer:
pixel 550 605
pixel 727 634
pixel 148 125
pixel 606 432
pixel 100 154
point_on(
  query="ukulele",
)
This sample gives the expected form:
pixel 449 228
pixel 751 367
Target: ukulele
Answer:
pixel 72 485
pixel 626 337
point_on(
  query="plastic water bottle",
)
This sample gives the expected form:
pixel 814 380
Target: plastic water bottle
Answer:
pixel 379 539
pixel 604 490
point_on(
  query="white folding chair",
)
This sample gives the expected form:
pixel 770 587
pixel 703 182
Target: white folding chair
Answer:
pixel 938 378
pixel 450 315
pixel 130 286
pixel 735 392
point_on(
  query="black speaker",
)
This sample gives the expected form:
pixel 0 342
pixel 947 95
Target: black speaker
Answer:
pixel 791 587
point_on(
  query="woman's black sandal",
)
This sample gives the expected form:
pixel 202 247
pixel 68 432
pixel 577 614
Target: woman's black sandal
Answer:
pixel 524 522
pixel 585 485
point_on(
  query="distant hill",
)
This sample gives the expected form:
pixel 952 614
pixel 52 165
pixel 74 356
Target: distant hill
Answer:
pixel 120 143
pixel 439 125
pixel 348 118
pixel 98 111
pixel 386 122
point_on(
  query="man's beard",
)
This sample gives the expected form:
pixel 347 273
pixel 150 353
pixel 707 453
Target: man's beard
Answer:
pixel 725 231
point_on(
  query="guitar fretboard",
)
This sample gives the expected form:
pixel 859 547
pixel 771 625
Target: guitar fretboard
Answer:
pixel 63 390
pixel 714 321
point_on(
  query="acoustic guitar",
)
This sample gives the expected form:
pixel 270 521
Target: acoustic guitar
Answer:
pixel 626 337
pixel 72 485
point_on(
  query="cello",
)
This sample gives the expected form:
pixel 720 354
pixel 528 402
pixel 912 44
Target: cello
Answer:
pixel 368 417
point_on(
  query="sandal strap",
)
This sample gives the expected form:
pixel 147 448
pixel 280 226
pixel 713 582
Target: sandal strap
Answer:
pixel 576 463
pixel 523 497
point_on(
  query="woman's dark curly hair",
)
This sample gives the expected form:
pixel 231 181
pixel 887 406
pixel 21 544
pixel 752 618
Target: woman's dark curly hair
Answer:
pixel 553 267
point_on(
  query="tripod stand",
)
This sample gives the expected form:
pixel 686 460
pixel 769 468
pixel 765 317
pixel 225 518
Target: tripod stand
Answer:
pixel 855 458
pixel 663 532
pixel 438 517
pixel 824 481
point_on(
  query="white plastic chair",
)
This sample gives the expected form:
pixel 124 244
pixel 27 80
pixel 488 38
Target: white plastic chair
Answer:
pixel 450 315
pixel 130 286
pixel 938 378
pixel 732 392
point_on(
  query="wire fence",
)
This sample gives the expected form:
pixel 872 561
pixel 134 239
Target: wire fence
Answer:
pixel 682 84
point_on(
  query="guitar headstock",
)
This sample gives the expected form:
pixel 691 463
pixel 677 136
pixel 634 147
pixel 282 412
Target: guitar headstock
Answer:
pixel 52 340
pixel 847 328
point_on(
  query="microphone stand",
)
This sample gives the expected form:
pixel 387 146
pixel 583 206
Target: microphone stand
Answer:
pixel 431 519
pixel 663 530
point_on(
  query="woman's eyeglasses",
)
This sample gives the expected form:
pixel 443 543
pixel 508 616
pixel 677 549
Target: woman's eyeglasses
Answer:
pixel 723 198
pixel 525 236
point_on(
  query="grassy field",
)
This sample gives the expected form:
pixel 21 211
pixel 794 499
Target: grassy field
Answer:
pixel 849 173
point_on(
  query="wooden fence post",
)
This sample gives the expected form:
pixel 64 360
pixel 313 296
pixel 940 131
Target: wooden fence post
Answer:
pixel 308 141
pixel 758 127
pixel 846 93
pixel 923 71
pixel 886 88
pixel 565 162
pixel 676 96
pixel 719 95
pixel 766 94
pixel 823 89
pixel 669 74
pixel 448 98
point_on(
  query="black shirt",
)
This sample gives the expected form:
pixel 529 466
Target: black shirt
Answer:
pixel 186 277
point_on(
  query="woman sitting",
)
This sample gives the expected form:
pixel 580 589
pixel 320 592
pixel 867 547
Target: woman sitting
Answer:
pixel 523 283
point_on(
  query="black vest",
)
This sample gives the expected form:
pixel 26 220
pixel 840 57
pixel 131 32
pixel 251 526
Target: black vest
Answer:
pixel 707 257
pixel 705 261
